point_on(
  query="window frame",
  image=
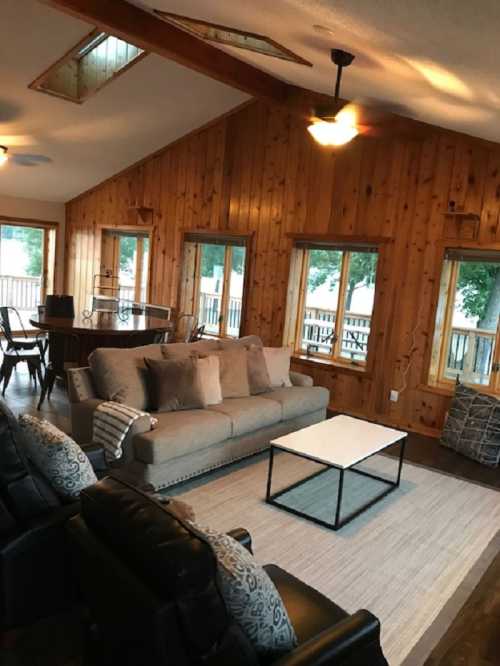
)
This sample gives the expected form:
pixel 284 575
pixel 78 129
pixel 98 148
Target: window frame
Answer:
pixel 50 251
pixel 114 233
pixel 189 303
pixel 346 245
pixel 435 380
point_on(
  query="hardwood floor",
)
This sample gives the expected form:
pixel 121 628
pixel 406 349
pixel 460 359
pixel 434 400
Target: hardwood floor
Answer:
pixel 473 639
pixel 22 397
pixel 427 451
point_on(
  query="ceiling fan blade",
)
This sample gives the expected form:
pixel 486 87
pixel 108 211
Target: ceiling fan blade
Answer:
pixel 9 111
pixel 377 112
pixel 28 160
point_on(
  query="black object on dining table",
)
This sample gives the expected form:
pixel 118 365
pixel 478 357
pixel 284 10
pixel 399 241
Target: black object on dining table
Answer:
pixel 59 305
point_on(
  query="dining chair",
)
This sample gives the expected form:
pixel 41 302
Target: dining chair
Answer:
pixel 158 311
pixel 197 333
pixel 11 357
pixel 64 354
pixel 22 342
pixel 185 325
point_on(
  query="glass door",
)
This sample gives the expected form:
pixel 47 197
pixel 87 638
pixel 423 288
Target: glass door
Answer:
pixel 25 274
pixel 125 256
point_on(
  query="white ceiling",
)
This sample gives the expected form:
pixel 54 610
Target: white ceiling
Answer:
pixel 436 61
pixel 152 104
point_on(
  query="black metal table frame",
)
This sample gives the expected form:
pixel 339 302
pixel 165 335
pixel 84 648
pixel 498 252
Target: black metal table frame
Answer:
pixel 338 522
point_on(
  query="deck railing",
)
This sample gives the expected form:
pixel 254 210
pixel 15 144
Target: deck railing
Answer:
pixel 209 313
pixel 22 293
pixel 319 325
pixel 470 355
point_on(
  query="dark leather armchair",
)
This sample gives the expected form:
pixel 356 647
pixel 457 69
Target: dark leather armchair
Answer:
pixel 150 584
pixel 36 579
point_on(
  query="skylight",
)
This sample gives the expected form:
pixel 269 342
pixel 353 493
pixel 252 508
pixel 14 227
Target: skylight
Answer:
pixel 249 41
pixel 94 62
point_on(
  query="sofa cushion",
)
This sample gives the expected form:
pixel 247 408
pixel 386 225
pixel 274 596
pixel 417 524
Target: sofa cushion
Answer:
pixel 175 385
pixel 249 414
pixel 180 433
pixel 209 371
pixel 298 400
pixel 247 341
pixel 258 376
pixel 23 490
pixel 250 595
pixel 58 457
pixel 472 426
pixel 183 349
pixel 120 374
pixel 278 365
pixel 233 372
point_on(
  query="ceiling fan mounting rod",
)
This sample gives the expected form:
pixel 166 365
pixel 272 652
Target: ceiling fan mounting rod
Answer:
pixel 341 59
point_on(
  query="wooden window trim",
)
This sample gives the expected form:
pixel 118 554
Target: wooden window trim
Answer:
pixel 334 359
pixel 198 237
pixel 440 385
pixel 131 230
pixel 50 251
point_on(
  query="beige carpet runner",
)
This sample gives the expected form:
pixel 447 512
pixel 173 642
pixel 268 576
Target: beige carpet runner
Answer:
pixel 406 559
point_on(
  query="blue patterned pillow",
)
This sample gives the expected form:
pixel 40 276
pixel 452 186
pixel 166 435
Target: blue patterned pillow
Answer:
pixel 57 456
pixel 250 595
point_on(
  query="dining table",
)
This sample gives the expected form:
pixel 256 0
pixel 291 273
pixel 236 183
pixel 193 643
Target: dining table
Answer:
pixel 83 333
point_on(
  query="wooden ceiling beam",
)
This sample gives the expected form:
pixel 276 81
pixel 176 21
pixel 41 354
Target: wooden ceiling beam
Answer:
pixel 150 33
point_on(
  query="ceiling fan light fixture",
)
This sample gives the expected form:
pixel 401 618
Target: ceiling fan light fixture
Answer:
pixel 332 133
pixel 3 155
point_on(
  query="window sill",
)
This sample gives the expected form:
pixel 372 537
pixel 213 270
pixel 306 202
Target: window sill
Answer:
pixel 449 391
pixel 315 361
pixel 436 389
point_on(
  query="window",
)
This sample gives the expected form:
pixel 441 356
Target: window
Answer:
pixel 335 301
pixel 221 34
pixel 125 258
pixel 466 336
pixel 27 256
pixel 95 61
pixel 214 277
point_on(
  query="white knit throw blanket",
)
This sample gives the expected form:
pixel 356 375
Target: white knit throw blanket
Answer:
pixel 111 424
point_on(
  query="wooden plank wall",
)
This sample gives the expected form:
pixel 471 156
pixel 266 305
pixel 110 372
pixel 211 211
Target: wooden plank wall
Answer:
pixel 258 170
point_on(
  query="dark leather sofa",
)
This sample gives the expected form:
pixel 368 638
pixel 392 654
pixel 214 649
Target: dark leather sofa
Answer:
pixel 150 583
pixel 36 578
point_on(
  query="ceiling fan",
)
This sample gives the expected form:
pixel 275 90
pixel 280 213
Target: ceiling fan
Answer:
pixel 334 126
pixel 339 122
pixel 22 159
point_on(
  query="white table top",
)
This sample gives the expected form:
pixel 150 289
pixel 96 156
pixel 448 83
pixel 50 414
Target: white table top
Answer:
pixel 342 441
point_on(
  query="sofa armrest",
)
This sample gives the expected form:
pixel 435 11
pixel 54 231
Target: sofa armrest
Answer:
pixel 36 579
pixel 82 418
pixel 299 379
pixel 80 384
pixel 242 536
pixel 95 453
pixel 353 641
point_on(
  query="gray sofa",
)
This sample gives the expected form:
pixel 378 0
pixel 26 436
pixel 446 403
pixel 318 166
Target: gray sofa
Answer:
pixel 189 442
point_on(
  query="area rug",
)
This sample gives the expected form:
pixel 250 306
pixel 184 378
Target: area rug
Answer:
pixel 406 559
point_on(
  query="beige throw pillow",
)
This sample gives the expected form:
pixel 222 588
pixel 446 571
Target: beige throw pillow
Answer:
pixel 233 372
pixel 209 370
pixel 175 385
pixel 278 365
pixel 258 376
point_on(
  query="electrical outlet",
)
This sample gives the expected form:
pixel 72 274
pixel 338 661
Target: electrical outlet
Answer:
pixel 394 396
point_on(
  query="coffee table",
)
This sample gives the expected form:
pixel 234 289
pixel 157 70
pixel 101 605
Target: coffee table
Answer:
pixel 338 443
